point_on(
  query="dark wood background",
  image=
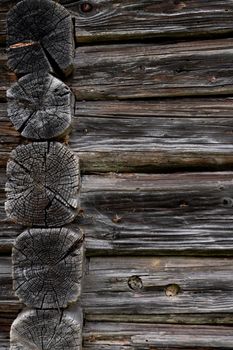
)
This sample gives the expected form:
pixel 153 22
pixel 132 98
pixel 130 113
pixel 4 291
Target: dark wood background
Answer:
pixel 153 128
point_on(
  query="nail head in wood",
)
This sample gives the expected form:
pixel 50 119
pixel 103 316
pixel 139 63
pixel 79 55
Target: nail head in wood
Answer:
pixel 48 267
pixel 47 329
pixel 40 37
pixel 40 106
pixel 42 185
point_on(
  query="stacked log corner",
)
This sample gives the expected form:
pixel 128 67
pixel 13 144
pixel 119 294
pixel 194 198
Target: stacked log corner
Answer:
pixel 43 179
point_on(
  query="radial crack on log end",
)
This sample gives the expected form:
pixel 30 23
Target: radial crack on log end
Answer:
pixel 47 329
pixel 42 185
pixel 40 106
pixel 48 267
pixel 40 37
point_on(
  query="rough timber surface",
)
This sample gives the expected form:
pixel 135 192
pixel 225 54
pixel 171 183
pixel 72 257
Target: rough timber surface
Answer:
pixel 147 70
pixel 131 336
pixel 47 329
pixel 143 214
pixel 126 289
pixel 40 37
pixel 40 106
pixel 48 267
pixel 111 20
pixel 148 136
pixel 42 185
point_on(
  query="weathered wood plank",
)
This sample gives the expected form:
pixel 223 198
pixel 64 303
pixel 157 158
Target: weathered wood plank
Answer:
pixel 139 285
pixel 118 336
pixel 181 133
pixel 111 20
pixel 182 214
pixel 204 296
pixel 147 70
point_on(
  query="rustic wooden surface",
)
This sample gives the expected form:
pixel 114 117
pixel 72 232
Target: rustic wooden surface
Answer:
pixel 46 44
pixel 40 106
pixel 147 70
pixel 42 185
pixel 45 329
pixel 181 133
pixel 111 20
pixel 185 214
pixel 48 267
pixel 204 293
pixel 153 83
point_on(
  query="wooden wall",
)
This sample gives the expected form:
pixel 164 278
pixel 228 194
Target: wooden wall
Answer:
pixel 153 128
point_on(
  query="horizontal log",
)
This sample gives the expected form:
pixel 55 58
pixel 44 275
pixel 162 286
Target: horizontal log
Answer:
pixel 135 71
pixel 111 20
pixel 148 136
pixel 154 285
pixel 140 289
pixel 127 336
pixel 181 213
pixel 118 336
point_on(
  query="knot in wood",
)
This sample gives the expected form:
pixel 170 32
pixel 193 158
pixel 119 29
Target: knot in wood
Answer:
pixel 47 329
pixel 43 183
pixel 40 106
pixel 40 38
pixel 48 267
pixel 135 283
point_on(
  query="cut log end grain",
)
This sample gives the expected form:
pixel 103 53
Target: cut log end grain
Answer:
pixel 40 106
pixel 48 329
pixel 48 267
pixel 43 183
pixel 40 37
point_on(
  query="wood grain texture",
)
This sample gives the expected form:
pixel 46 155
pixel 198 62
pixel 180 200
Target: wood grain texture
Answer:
pixel 42 185
pixel 138 214
pixel 148 70
pixel 40 38
pixel 204 286
pixel 204 296
pixel 40 106
pixel 111 20
pixel 118 336
pixel 148 136
pixel 48 330
pixel 48 267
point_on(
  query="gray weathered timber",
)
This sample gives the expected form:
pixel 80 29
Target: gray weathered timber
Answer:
pixel 48 267
pixel 164 134
pixel 204 296
pixel 204 286
pixel 129 336
pixel 182 214
pixel 40 106
pixel 42 185
pixel 111 20
pixel 48 330
pixel 148 70
pixel 40 37
pixel 126 336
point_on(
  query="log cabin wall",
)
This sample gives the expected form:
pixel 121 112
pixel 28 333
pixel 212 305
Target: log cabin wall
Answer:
pixel 153 129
